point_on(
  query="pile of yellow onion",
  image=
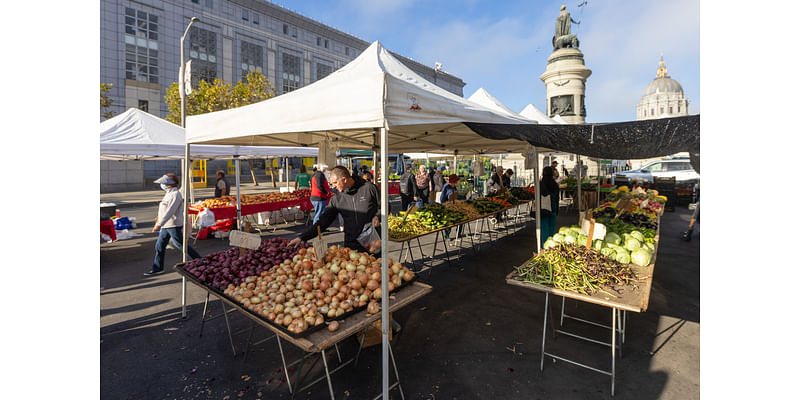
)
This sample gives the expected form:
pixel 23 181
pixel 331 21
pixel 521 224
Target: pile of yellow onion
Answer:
pixel 300 292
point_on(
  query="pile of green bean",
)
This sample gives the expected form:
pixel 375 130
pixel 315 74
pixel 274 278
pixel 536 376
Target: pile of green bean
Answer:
pixel 576 268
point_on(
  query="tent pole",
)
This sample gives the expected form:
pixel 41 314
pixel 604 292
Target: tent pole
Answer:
pixel 385 325
pixel 186 225
pixel 598 183
pixel 238 196
pixel 286 165
pixel 580 179
pixel 538 196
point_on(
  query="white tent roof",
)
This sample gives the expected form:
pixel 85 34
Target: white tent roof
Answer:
pixel 559 120
pixel 136 134
pixel 531 112
pixel 372 91
pixel 484 98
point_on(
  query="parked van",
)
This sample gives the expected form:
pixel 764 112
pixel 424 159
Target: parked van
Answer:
pixel 680 168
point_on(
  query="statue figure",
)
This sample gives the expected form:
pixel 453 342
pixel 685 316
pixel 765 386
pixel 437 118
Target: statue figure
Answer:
pixel 563 38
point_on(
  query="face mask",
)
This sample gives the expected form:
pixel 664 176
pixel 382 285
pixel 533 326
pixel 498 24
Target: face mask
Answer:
pixel 164 187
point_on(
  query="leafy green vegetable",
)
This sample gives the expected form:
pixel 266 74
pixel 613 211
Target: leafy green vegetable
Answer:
pixel 640 257
pixel 623 257
pixel 612 238
pixel 632 244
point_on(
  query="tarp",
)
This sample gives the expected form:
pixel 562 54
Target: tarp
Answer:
pixel 137 135
pixel 620 141
pixel 350 105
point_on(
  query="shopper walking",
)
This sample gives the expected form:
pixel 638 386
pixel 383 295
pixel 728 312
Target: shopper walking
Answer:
pixel 549 187
pixel 438 183
pixel 320 191
pixel 222 188
pixel 423 186
pixel 169 224
pixel 408 188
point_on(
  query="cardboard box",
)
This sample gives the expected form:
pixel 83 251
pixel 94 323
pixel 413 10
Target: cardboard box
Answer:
pixel 374 335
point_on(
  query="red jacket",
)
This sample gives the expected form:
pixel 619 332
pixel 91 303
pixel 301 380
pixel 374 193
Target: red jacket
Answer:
pixel 319 193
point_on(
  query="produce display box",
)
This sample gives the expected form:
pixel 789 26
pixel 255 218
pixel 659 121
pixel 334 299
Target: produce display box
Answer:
pixel 180 269
pixel 628 299
pixel 405 239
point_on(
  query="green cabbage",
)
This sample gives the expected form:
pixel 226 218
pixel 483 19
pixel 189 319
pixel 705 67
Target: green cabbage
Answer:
pixel 612 238
pixel 550 243
pixel 598 245
pixel 623 257
pixel 640 256
pixel 582 239
pixel 558 238
pixel 563 229
pixel 650 246
pixel 569 239
pixel 638 235
pixel 632 244
pixel 609 252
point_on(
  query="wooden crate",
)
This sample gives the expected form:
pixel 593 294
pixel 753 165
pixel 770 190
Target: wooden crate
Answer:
pixel 374 335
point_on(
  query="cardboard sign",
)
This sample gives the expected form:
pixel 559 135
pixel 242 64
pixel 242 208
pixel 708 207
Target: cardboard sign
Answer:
pixel 245 240
pixel 409 211
pixel 320 246
pixel 592 229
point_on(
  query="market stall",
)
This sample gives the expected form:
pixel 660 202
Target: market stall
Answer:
pixel 385 101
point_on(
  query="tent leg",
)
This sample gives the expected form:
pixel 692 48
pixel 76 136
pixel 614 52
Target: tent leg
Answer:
pixel 385 324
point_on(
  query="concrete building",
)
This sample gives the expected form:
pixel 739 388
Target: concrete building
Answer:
pixel 140 57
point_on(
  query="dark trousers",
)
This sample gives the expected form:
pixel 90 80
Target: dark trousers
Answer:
pixel 405 201
pixel 423 194
pixel 174 236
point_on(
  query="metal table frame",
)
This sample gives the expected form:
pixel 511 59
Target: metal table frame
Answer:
pixel 316 342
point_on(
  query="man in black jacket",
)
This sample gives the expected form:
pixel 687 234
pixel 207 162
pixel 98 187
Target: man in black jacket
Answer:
pixel 357 202
pixel 408 188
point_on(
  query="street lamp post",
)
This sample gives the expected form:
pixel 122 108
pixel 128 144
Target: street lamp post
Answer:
pixel 186 178
pixel 181 78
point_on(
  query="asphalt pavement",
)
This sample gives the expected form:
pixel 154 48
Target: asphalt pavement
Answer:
pixel 472 337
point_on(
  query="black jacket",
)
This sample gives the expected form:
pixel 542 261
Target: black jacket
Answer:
pixel 357 205
pixel 408 184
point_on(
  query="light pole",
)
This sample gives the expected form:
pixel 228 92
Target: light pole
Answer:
pixel 187 180
pixel 181 77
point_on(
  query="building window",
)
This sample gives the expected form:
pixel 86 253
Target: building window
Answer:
pixel 652 112
pixel 326 43
pixel 255 18
pixel 661 111
pixel 203 52
pixel 319 41
pixel 144 105
pixel 196 1
pixel 291 72
pixel 679 108
pixel 347 51
pixel 285 29
pixel 141 46
pixel 670 109
pixel 252 58
pixel 294 32
pixel 323 70
pixel 245 15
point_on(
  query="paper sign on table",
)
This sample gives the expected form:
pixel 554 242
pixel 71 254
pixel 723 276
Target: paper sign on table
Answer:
pixel 320 246
pixel 599 231
pixel 246 240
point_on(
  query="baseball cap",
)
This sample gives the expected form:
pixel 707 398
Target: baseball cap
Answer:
pixel 453 178
pixel 165 180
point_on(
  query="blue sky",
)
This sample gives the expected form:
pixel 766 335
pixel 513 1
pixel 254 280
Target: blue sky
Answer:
pixel 503 46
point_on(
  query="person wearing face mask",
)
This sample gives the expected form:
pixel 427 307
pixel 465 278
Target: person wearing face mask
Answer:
pixel 169 224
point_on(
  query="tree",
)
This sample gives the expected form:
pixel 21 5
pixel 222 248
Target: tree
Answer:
pixel 219 95
pixel 105 101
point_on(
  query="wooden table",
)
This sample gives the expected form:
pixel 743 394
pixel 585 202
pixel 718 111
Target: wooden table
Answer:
pixel 321 340
pixel 628 299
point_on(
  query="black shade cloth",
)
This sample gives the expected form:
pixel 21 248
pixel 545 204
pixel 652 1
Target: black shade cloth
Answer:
pixel 617 141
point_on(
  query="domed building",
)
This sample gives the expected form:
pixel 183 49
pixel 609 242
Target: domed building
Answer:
pixel 663 97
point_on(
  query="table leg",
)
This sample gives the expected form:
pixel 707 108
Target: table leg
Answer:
pixel 227 323
pixel 249 337
pixel 283 360
pixel 446 251
pixel 360 345
pixel 544 328
pixel 396 373
pixel 203 318
pixel 613 347
pixel 327 374
pixel 563 300
pixel 470 239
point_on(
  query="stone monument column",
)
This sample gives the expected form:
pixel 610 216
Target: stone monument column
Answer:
pixel 566 74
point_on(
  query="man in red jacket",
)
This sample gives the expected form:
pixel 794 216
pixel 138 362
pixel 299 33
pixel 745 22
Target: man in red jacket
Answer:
pixel 320 191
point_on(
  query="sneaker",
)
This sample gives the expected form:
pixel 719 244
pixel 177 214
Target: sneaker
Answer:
pixel 153 273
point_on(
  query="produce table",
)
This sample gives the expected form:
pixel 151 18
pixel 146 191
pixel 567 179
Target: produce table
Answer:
pixel 230 211
pixel 405 242
pixel 628 300
pixel 321 340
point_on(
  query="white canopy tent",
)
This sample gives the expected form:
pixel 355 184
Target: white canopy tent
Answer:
pixel 373 97
pixel 137 135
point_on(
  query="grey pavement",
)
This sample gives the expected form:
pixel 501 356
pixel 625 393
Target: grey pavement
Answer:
pixel 472 337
